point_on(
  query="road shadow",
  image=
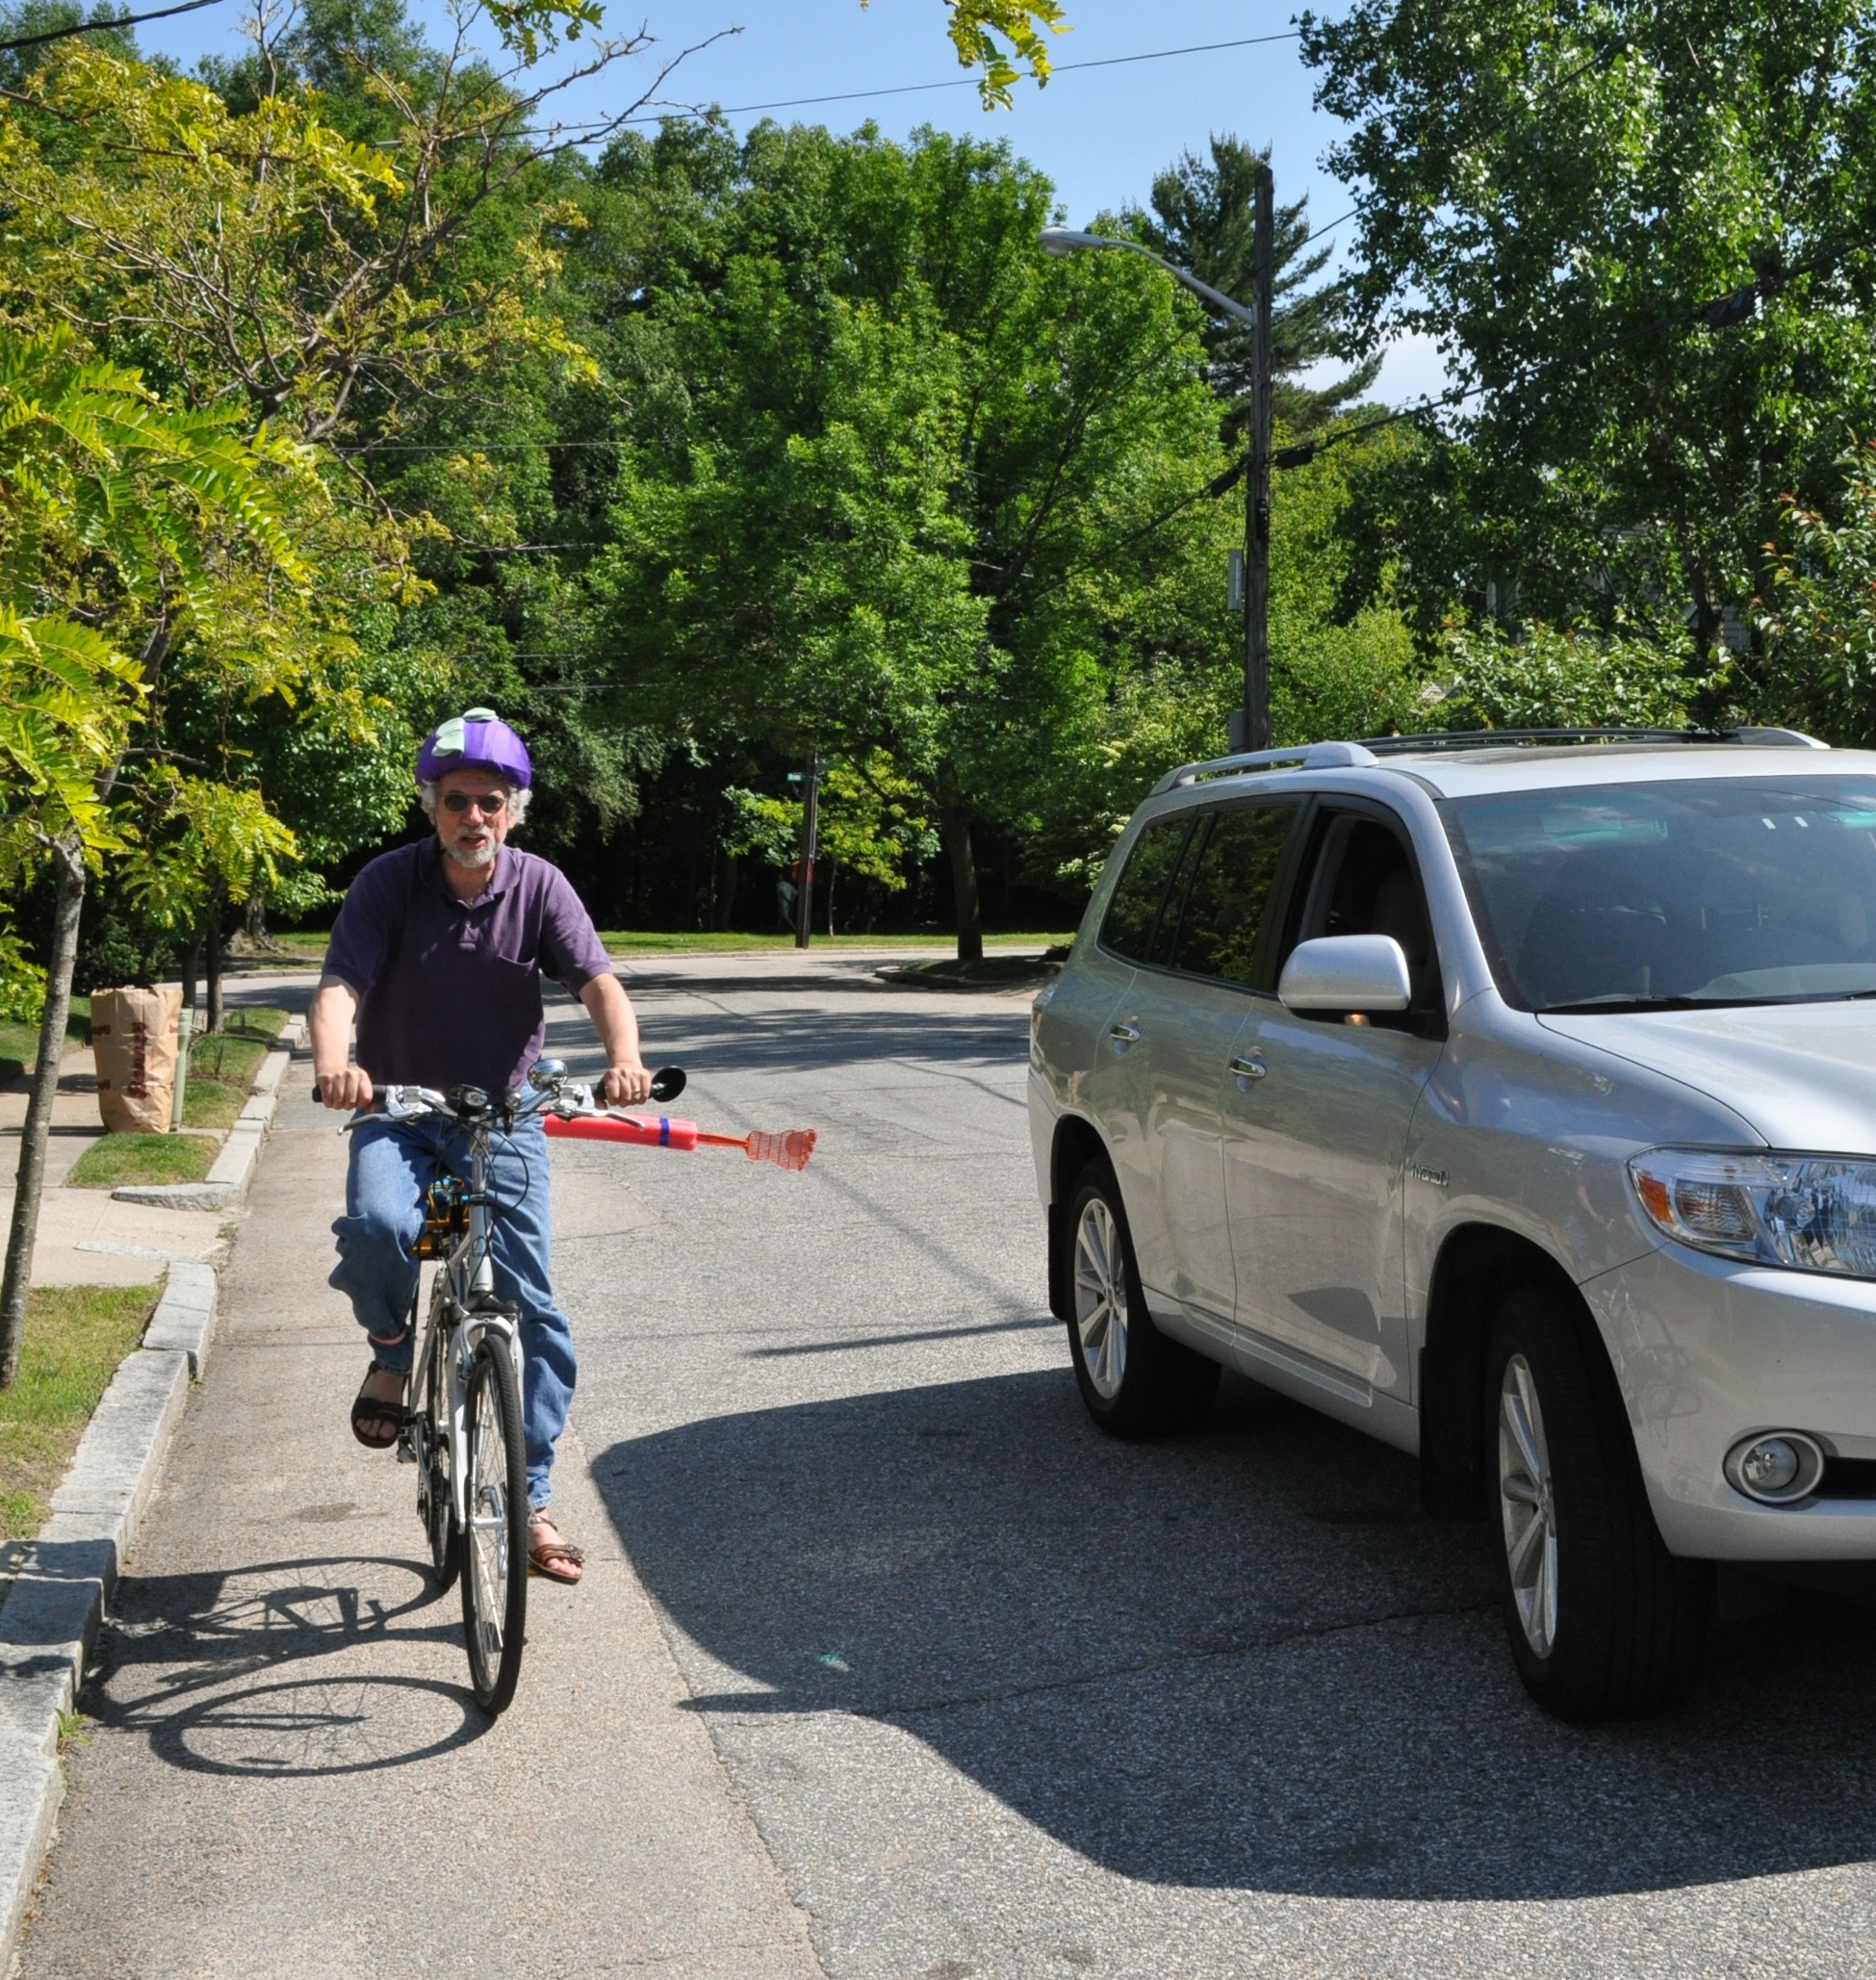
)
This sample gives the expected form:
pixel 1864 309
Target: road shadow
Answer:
pixel 241 1671
pixel 1242 1658
pixel 803 1038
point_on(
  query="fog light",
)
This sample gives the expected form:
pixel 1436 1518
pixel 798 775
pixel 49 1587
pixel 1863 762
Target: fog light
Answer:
pixel 1775 1467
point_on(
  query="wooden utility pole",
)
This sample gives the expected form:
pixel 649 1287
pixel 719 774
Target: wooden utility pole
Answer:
pixel 810 835
pixel 1257 477
pixel 1251 724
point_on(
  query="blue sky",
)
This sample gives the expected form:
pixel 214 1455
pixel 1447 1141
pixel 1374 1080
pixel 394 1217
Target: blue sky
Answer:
pixel 1100 134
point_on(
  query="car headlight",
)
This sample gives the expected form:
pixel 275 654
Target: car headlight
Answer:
pixel 1813 1213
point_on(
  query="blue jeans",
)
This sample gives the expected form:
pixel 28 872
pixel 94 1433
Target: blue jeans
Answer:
pixel 393 1165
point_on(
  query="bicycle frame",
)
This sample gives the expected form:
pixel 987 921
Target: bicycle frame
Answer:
pixel 466 1279
pixel 467 1274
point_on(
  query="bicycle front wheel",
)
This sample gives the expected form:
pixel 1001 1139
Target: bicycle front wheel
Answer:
pixel 494 1547
pixel 436 1503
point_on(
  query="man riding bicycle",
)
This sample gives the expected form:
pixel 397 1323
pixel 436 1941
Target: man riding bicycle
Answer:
pixel 438 953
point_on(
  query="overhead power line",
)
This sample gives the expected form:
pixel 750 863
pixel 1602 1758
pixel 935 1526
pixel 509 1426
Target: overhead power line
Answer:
pixel 101 27
pixel 1059 69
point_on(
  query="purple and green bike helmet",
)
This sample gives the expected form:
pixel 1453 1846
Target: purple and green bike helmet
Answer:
pixel 477 739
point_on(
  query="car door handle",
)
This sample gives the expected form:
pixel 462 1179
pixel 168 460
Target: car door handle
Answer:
pixel 1245 1069
pixel 1124 1036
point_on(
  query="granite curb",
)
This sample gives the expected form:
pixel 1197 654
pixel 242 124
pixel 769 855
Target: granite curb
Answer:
pixel 65 1575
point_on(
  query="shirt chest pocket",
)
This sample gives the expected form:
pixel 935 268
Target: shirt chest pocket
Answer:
pixel 471 939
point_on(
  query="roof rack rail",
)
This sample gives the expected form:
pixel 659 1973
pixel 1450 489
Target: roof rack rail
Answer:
pixel 1304 756
pixel 1499 738
pixel 1363 754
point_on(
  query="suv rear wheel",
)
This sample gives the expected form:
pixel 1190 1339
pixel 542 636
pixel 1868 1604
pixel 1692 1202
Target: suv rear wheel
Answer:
pixel 1134 1380
pixel 1603 1622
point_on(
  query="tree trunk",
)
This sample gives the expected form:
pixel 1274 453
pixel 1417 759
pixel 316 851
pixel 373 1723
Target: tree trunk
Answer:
pixel 30 1181
pixel 954 828
pixel 830 897
pixel 191 973
pixel 253 922
pixel 726 893
pixel 1707 612
pixel 213 936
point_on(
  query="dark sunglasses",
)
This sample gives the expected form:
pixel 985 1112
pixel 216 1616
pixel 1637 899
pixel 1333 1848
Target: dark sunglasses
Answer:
pixel 488 803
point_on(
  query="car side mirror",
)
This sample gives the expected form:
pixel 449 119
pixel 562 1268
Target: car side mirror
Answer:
pixel 1347 972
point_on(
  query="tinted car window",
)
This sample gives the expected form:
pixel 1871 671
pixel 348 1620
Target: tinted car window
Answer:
pixel 1232 875
pixel 1735 891
pixel 1134 907
pixel 1362 882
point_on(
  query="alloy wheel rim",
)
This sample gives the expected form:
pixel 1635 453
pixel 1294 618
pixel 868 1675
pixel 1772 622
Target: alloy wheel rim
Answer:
pixel 1101 1298
pixel 1528 1505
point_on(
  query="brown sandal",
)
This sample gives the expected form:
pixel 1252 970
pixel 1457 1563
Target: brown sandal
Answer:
pixel 376 1422
pixel 551 1558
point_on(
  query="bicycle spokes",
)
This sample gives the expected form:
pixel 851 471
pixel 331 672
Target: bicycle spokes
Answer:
pixel 495 1543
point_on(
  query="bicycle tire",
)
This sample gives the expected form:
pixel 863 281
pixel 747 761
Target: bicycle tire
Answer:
pixel 495 1546
pixel 436 1502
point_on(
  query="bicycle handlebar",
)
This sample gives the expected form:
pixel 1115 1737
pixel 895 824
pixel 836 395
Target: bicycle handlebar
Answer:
pixel 474 1106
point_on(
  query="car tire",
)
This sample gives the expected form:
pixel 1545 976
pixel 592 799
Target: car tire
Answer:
pixel 1134 1380
pixel 1603 1622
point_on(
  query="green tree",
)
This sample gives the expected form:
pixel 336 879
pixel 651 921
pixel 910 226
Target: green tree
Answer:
pixel 899 482
pixel 869 824
pixel 1548 678
pixel 1820 613
pixel 1202 218
pixel 139 525
pixel 979 30
pixel 1558 196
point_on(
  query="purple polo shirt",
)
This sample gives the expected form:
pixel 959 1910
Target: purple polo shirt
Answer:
pixel 450 990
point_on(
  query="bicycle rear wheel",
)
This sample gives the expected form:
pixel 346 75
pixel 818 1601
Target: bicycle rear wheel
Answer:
pixel 494 1547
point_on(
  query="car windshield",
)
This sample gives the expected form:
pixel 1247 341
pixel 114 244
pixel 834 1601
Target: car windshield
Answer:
pixel 1640 896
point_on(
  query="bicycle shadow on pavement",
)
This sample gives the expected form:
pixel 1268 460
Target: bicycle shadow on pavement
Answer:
pixel 1240 1658
pixel 179 1656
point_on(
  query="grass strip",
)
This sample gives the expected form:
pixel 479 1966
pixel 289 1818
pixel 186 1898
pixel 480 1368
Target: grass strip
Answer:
pixel 215 1103
pixel 121 1158
pixel 75 1337
pixel 227 1056
pixel 21 1042
pixel 222 1064
pixel 252 1020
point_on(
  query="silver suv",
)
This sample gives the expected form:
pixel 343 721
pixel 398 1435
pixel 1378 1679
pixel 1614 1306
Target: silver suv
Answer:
pixel 1511 1099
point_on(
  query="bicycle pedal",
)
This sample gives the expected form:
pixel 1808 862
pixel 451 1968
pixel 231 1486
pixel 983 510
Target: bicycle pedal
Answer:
pixel 406 1451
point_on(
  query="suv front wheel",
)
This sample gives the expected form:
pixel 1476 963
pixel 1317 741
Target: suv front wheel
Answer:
pixel 1603 1622
pixel 1134 1380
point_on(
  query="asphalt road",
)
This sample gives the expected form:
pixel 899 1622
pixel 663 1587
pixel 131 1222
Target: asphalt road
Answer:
pixel 967 1688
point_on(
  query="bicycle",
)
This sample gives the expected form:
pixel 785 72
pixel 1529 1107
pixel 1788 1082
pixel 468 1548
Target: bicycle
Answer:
pixel 462 1422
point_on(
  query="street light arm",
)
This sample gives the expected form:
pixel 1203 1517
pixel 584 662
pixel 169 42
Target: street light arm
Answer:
pixel 1062 240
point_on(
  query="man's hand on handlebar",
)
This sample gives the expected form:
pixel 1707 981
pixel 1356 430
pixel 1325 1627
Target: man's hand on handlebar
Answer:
pixel 625 1086
pixel 347 1090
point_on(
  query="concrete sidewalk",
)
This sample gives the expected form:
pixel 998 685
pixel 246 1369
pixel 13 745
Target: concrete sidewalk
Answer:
pixel 285 1772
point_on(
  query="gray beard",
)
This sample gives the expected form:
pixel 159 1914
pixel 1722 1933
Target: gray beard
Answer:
pixel 482 855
